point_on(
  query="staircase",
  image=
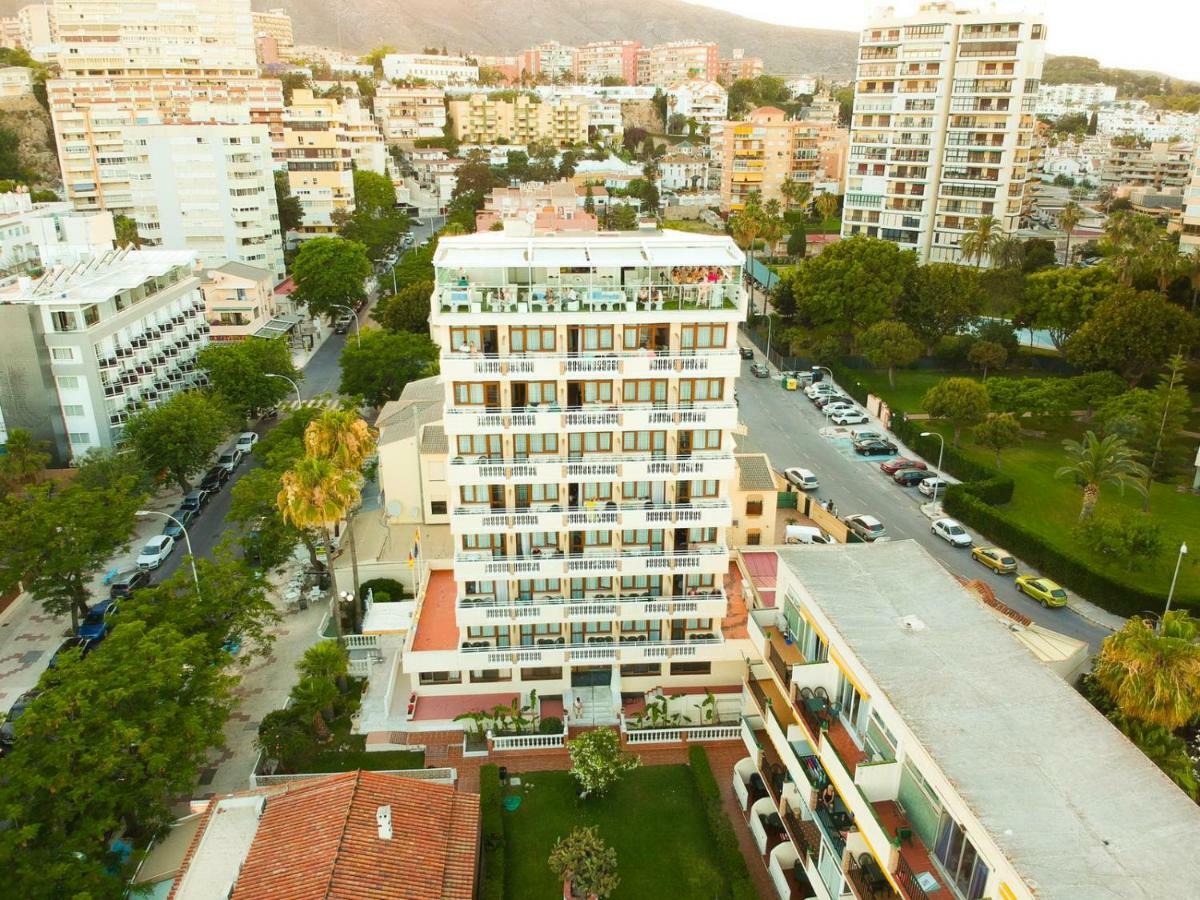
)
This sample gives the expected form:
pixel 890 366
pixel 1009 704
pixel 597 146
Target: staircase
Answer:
pixel 597 706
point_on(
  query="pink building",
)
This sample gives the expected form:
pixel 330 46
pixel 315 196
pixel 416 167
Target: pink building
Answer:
pixel 535 208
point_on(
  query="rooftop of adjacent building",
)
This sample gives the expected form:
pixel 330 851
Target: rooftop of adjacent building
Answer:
pixel 1075 806
pixel 101 276
pixel 419 404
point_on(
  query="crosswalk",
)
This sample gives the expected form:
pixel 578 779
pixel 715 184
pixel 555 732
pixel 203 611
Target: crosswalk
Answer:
pixel 323 401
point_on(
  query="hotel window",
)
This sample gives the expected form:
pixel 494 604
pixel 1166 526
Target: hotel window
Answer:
pixel 595 337
pixel 753 537
pixel 485 676
pixel 488 445
pixel 527 589
pixel 543 673
pixel 68 382
pixel 581 587
pixel 476 393
pixel 62 354
pixel 692 390
pixel 590 442
pixel 634 669
pixel 534 393
pixel 530 634
pixel 702 337
pixel 650 630
pixel 483 542
pixel 525 445
pixel 597 538
pixel 591 393
pixel 636 490
pixel 64 320
pixel 468 337
pixel 691 668
pixel 441 678
pixel 72 409
pixel 706 439
pixel 644 442
pixel 79 438
pixel 437 507
pixel 700 582
pixel 647 391
pixel 489 633
pixel 587 632
pixel 641 584
pixel 652 337
pixel 480 588
pixel 703 489
pixel 528 494
pixel 531 340
pixel 960 860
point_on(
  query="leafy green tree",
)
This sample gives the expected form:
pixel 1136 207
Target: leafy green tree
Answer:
pixel 1136 539
pixel 1037 254
pixel 103 468
pixel 178 438
pixel 126 230
pixel 587 862
pixel 23 461
pixel 889 344
pixel 941 300
pixel 376 223
pixel 374 58
pixel 1128 240
pixel 56 541
pixel 1062 300
pixel 597 761
pixel 783 296
pixel 1131 333
pixel 987 355
pixel 407 310
pixel 330 271
pixel 474 180
pixel 962 402
pixel 1035 396
pixel 797 244
pixel 417 265
pixel 379 369
pixel 853 284
pixel 291 214
pixel 238 371
pixel 997 432
pixel 1094 462
pixel 1170 406
pixel 1165 749
pixel 1153 674
pixel 589 200
pixel 623 217
pixel 11 165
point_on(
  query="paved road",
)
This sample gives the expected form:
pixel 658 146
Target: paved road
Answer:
pixel 786 426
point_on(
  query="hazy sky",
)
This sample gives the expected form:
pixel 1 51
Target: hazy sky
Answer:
pixel 1151 34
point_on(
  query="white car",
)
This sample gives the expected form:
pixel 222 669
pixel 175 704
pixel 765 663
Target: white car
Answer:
pixel 867 434
pixel 839 406
pixel 802 478
pixel 230 460
pixel 156 551
pixel 869 528
pixel 246 441
pixel 931 487
pixel 821 387
pixel 848 417
pixel 951 532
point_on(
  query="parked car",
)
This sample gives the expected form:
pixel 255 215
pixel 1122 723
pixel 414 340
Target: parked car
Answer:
pixel 999 561
pixel 874 448
pixel 1043 590
pixel 909 477
pixel 758 370
pixel 230 460
pixel 869 528
pixel 82 644
pixel 802 478
pixel 951 532
pixel 819 387
pixel 214 478
pixel 185 518
pixel 806 534
pixel 342 324
pixel 246 441
pixel 127 582
pixel 848 417
pixel 834 400
pixel 8 730
pixel 931 487
pixel 746 352
pixel 195 501
pixel 896 463
pixel 98 621
pixel 156 551
pixel 867 434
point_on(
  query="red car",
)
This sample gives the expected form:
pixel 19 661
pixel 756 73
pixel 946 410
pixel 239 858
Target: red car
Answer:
pixel 894 465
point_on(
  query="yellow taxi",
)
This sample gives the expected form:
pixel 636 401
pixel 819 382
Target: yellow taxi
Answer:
pixel 999 561
pixel 1043 590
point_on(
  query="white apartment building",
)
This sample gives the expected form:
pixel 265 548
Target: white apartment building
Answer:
pixel 706 102
pixel 16 81
pixel 1055 99
pixel 550 59
pixel 1189 237
pixel 1139 119
pixel 407 114
pixel 802 84
pixel 588 462
pixel 368 149
pixel 45 235
pixel 943 126
pixel 682 172
pixel 95 341
pixel 207 187
pixel 277 24
pixel 39 31
pixel 904 743
pixel 438 69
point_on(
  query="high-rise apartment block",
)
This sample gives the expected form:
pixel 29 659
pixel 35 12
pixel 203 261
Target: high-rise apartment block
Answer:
pixel 762 152
pixel 740 66
pixel 483 119
pixel 607 59
pixel 664 64
pixel 277 24
pixel 943 126
pixel 35 237
pixel 320 161
pixel 588 451
pixel 39 30
pixel 407 114
pixel 206 187
pixel 550 61
pixel 1189 237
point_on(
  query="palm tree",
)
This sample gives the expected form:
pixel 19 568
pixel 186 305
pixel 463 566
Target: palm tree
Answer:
pixel 979 242
pixel 1164 261
pixel 318 494
pixel 1098 461
pixel 796 193
pixel 1007 251
pixel 23 460
pixel 827 206
pixel 1165 750
pixel 1154 676
pixel 746 225
pixel 1129 237
pixel 315 697
pixel 1071 216
pixel 1191 268
pixel 771 229
pixel 326 661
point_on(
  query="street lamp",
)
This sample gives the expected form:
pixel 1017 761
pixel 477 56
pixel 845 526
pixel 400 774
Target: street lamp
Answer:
pixel 146 513
pixel 299 401
pixel 770 322
pixel 941 450
pixel 1174 578
pixel 354 316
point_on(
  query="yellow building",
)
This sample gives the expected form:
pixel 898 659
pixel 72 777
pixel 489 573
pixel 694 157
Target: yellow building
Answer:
pixel 764 151
pixel 484 119
pixel 320 162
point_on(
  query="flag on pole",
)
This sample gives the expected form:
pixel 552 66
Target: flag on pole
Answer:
pixel 416 550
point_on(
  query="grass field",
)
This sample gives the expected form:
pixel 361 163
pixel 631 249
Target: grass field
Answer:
pixel 910 386
pixel 653 818
pixel 692 225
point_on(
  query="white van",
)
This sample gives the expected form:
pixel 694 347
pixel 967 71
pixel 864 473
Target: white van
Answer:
pixel 802 478
pixel 806 534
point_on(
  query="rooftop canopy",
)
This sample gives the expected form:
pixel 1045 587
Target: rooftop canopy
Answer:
pixel 631 249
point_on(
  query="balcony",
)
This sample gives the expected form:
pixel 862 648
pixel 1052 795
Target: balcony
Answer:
pixel 704 559
pixel 552 299
pixel 648 364
pixel 597 651
pixel 484 520
pixel 630 467
pixel 627 416
pixel 555 608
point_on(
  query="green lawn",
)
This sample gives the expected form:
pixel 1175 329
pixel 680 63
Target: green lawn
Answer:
pixel 653 819
pixel 693 225
pixel 910 386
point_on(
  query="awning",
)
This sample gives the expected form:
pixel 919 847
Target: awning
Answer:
pixel 279 326
pixel 714 254
pixel 450 256
pixel 615 257
pixel 555 256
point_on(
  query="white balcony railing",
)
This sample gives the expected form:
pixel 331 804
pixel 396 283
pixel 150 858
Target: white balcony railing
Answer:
pixel 548 470
pixel 709 559
pixel 554 300
pixel 627 416
pixel 557 610
pixel 542 366
pixel 700 514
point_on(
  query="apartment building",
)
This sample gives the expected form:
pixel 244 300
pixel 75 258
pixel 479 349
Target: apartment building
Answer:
pixel 39 30
pixel 682 172
pixel 551 61
pixel 96 340
pixel 1055 100
pixel 34 237
pixel 207 187
pixel 407 114
pixel 1158 165
pixel 368 149
pixel 739 66
pixel 665 64
pixel 943 126
pixel 704 102
pixel 766 150
pixel 587 383
pixel 438 69
pixel 16 81
pixel 1189 237
pixel 535 208
pixel 485 119
pixel 320 162
pixel 607 59
pixel 895 748
pixel 239 300
pixel 1139 119
pixel 276 24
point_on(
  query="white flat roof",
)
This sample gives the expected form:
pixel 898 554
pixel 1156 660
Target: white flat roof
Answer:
pixel 223 847
pixel 494 249
pixel 1077 808
pixel 100 277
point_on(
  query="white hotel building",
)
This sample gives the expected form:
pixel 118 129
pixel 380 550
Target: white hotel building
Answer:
pixel 588 421
pixel 943 126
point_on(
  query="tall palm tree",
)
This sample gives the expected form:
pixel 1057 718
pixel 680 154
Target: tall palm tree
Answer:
pixel 746 226
pixel 1191 268
pixel 346 440
pixel 1165 262
pixel 771 229
pixel 316 493
pixel 1154 676
pixel 796 193
pixel 1128 238
pixel 1098 461
pixel 827 206
pixel 1007 251
pixel 979 242
pixel 1071 216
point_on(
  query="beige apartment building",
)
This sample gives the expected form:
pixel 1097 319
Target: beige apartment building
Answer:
pixel 1158 165
pixel 39 30
pixel 607 59
pixel 766 150
pixel 320 162
pixel 665 64
pixel 277 24
pixel 407 114
pixel 740 66
pixel 239 300
pixel 1189 238
pixel 943 126
pixel 482 119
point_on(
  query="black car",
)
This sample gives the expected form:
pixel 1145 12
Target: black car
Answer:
pixel 195 501
pixel 127 582
pixel 214 478
pixel 8 731
pixel 82 644
pixel 758 370
pixel 184 516
pixel 909 477
pixel 746 352
pixel 874 448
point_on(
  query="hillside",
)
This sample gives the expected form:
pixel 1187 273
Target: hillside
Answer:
pixel 1129 83
pixel 505 26
pixel 31 124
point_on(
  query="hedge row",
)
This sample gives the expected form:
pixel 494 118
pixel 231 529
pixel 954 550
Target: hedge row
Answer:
pixel 729 852
pixel 492 826
pixel 986 483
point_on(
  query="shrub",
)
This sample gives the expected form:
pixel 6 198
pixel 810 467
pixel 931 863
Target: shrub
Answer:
pixel 492 828
pixel 729 852
pixel 383 590
pixel 550 725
